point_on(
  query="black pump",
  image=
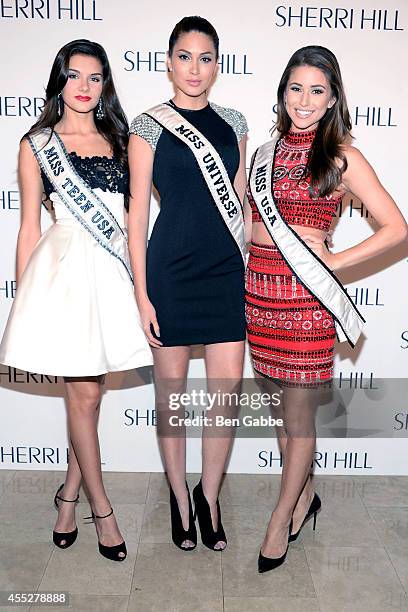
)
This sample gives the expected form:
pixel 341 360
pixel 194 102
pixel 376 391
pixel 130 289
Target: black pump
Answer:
pixel 313 509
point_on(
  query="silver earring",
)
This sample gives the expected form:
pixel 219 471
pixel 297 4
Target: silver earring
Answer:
pixel 59 105
pixel 99 110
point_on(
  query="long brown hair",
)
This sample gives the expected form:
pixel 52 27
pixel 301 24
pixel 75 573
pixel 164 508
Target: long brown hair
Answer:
pixel 334 127
pixel 113 126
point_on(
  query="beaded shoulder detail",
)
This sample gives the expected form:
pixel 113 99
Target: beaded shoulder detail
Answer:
pixel 99 172
pixel 234 118
pixel 147 128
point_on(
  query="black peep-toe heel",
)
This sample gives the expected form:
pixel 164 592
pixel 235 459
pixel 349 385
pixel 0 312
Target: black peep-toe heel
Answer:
pixel 209 537
pixel 109 552
pixel 178 533
pixel 58 536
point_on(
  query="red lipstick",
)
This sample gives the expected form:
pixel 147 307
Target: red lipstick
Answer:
pixel 83 98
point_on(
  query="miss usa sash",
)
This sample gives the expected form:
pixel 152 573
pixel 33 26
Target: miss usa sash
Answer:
pixel 79 199
pixel 304 263
pixel 211 166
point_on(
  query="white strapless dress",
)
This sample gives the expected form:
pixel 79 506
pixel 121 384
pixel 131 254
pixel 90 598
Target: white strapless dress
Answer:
pixel 75 313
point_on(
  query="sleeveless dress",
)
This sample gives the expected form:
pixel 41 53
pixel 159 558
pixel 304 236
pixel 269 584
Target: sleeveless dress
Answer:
pixel 291 335
pixel 75 313
pixel 194 270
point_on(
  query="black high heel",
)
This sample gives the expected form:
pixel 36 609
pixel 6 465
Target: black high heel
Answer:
pixel 313 509
pixel 59 536
pixel 209 537
pixel 178 533
pixel 265 564
pixel 109 552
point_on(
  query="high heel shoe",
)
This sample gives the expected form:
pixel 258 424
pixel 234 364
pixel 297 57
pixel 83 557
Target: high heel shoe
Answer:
pixel 178 533
pixel 58 536
pixel 313 509
pixel 209 537
pixel 109 552
pixel 265 564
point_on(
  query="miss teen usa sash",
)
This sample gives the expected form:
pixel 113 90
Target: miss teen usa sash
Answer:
pixel 83 203
pixel 304 263
pixel 211 166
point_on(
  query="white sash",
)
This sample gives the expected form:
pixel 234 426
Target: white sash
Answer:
pixel 83 203
pixel 304 263
pixel 211 166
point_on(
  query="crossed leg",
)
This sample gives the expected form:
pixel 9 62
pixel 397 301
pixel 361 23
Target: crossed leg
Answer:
pixel 297 441
pixel 83 403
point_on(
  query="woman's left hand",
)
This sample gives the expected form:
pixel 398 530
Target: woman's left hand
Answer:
pixel 320 249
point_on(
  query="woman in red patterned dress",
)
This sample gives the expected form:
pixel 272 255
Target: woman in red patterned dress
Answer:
pixel 291 335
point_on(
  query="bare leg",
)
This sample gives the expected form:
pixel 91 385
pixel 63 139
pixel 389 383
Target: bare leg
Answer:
pixel 83 400
pixel 170 366
pixel 307 492
pixel 224 364
pixel 299 415
pixel 66 512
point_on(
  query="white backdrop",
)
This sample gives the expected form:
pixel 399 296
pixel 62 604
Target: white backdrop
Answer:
pixel 369 39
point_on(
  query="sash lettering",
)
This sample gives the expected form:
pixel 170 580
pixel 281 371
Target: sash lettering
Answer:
pixel 211 166
pixel 83 203
pixel 304 263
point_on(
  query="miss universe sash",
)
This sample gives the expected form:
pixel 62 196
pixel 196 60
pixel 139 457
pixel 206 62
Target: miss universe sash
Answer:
pixel 79 199
pixel 304 263
pixel 211 166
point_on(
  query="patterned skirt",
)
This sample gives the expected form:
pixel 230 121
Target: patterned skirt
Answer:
pixel 291 336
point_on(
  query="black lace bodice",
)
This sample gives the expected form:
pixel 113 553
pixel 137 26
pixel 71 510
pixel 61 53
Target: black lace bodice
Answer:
pixel 98 171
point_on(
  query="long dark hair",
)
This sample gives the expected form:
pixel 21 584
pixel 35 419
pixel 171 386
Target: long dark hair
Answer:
pixel 194 23
pixel 114 126
pixel 334 127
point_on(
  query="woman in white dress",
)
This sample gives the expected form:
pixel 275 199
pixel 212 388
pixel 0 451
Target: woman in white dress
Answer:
pixel 75 313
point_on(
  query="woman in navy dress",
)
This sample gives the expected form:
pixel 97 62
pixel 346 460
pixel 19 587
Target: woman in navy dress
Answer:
pixel 190 282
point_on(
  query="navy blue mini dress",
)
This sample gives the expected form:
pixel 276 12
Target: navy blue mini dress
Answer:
pixel 194 269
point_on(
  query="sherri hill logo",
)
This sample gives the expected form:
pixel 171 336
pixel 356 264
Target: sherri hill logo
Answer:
pixel 9 199
pixel 8 289
pixel 21 106
pixel 338 18
pixel 369 116
pixel 350 460
pixel 350 206
pixel 33 455
pixel 13 375
pixel 155 61
pixel 68 10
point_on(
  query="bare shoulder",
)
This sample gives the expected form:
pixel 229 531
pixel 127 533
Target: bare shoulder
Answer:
pixel 26 156
pixel 352 154
pixel 25 147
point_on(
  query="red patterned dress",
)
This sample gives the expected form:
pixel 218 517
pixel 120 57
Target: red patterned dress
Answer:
pixel 291 336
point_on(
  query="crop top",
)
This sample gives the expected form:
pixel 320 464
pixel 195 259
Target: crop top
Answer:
pixel 291 191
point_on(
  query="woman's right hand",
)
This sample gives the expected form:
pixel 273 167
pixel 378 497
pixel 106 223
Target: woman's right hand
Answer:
pixel 148 319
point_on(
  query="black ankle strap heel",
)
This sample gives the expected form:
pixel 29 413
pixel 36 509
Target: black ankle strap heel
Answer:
pixel 68 537
pixel 109 552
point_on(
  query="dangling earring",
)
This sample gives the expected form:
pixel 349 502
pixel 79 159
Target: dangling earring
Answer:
pixel 99 110
pixel 59 105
